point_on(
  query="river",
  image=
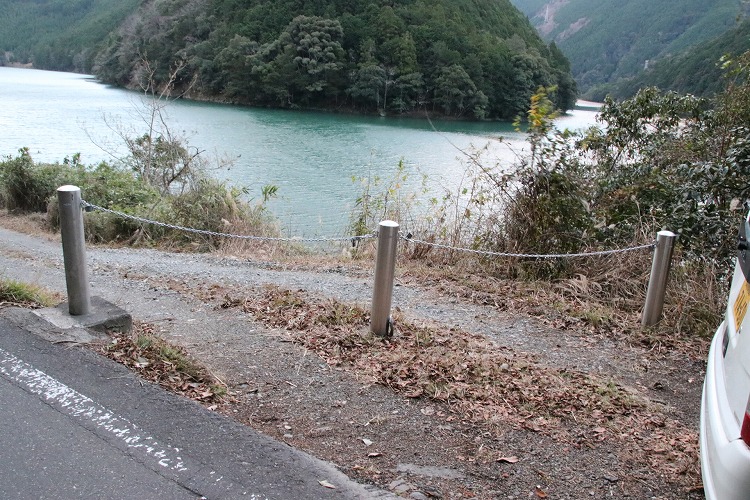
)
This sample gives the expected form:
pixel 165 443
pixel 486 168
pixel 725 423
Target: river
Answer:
pixel 313 158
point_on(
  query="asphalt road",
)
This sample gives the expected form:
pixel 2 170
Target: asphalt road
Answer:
pixel 76 425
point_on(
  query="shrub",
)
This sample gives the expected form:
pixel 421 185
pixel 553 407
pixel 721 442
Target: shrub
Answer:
pixel 675 162
pixel 28 186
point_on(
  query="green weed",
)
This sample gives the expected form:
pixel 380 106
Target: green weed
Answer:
pixel 17 293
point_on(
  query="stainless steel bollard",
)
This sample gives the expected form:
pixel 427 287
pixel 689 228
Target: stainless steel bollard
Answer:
pixel 657 284
pixel 385 268
pixel 74 250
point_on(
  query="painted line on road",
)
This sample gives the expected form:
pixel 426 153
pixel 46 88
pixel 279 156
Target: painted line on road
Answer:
pixel 75 404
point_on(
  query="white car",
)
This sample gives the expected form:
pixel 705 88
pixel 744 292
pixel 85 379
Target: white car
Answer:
pixel 725 406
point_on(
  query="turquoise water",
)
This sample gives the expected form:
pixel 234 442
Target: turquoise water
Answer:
pixel 312 157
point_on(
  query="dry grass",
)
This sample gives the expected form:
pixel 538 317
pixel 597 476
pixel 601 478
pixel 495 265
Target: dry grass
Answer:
pixel 599 295
pixel 33 224
pixel 604 295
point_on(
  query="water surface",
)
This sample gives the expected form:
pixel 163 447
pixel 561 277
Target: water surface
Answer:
pixel 312 157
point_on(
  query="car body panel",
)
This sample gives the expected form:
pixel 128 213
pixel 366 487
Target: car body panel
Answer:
pixel 725 458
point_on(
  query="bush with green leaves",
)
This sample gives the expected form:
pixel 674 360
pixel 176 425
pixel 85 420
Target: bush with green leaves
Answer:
pixel 207 204
pixel 211 206
pixel 660 161
pixel 541 205
pixel 547 205
pixel 27 186
pixel 676 162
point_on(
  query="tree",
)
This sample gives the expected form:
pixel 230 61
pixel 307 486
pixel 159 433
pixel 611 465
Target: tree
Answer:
pixel 369 83
pixel 408 92
pixel 320 54
pixel 316 44
pixel 455 92
pixel 234 68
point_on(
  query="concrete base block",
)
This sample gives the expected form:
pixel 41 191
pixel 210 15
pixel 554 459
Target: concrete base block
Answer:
pixel 104 317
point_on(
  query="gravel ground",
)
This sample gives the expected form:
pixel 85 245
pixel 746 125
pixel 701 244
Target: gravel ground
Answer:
pixel 414 447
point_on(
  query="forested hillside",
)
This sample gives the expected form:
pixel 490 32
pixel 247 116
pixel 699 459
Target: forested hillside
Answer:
pixel 58 34
pixel 606 40
pixel 459 58
pixel 698 71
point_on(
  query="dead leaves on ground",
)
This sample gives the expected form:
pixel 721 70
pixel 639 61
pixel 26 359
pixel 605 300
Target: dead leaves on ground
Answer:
pixel 481 382
pixel 167 365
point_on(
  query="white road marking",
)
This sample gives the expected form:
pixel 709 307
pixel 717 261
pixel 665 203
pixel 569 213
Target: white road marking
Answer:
pixel 75 404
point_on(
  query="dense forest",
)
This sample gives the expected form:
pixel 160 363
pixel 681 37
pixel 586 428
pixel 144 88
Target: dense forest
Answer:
pixel 697 71
pixel 459 58
pixel 608 40
pixel 58 34
pixel 473 59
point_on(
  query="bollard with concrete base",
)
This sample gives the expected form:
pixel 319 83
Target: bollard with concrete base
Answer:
pixel 102 316
pixel 74 250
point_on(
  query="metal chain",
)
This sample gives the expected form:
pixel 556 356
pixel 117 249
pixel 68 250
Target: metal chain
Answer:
pixel 89 207
pixel 528 256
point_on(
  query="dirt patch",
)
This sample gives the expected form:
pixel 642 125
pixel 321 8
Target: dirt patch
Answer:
pixel 461 417
pixel 545 20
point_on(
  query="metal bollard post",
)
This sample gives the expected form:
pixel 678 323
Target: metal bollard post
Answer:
pixel 74 250
pixel 385 267
pixel 657 284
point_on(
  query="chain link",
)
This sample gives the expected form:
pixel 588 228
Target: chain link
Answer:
pixel 527 256
pixel 89 207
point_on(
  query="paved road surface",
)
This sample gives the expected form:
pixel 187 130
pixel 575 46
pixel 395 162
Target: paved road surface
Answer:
pixel 76 425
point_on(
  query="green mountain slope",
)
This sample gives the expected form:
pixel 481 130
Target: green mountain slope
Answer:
pixel 58 34
pixel 696 71
pixel 459 58
pixel 607 40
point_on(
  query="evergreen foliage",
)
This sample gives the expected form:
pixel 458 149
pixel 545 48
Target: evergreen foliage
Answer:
pixel 698 71
pixel 608 40
pixel 459 58
pixel 59 35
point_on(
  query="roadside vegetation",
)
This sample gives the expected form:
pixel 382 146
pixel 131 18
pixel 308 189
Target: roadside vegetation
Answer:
pixel 15 293
pixel 205 203
pixel 160 178
pixel 660 161
pixel 167 365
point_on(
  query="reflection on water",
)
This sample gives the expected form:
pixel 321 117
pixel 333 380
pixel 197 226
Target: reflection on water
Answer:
pixel 312 157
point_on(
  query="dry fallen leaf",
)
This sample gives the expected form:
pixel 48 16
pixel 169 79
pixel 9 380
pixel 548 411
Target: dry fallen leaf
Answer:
pixel 428 411
pixel 509 460
pixel 540 493
pixel 326 484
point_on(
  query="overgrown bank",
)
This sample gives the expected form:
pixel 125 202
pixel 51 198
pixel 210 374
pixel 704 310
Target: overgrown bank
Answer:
pixel 660 161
